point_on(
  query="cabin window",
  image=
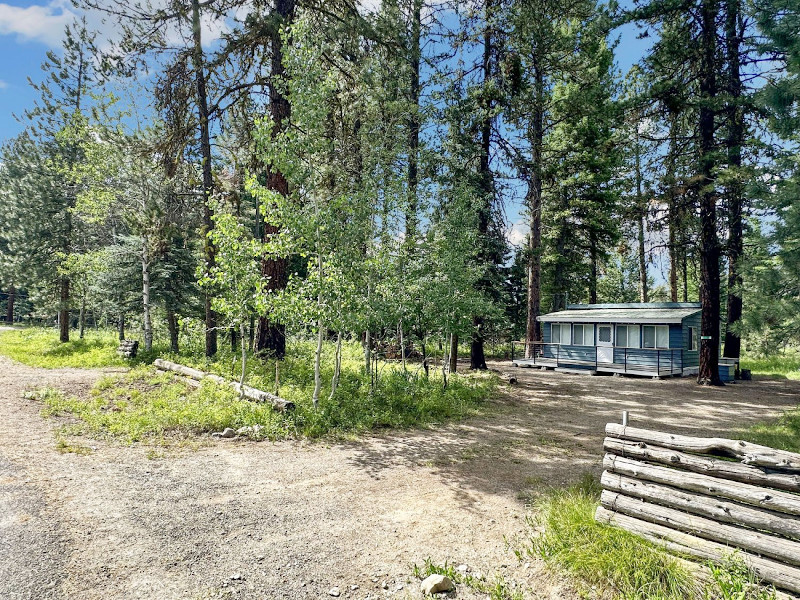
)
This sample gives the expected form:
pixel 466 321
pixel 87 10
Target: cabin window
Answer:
pixel 583 335
pixel 655 336
pixel 604 334
pixel 692 338
pixel 627 336
pixel 560 333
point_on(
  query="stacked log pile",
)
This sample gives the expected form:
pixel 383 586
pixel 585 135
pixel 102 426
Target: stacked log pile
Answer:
pixel 128 348
pixel 706 497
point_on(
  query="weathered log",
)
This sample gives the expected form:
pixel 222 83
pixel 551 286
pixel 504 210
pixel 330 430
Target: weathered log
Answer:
pixel 780 575
pixel 704 506
pixel 187 380
pixel 764 544
pixel 751 454
pixel 715 467
pixel 248 392
pixel 782 502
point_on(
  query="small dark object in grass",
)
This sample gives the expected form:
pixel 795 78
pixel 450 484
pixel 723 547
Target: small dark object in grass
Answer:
pixel 745 375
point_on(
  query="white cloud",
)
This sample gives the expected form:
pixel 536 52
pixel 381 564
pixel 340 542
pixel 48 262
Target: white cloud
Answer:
pixel 517 233
pixel 41 23
pixel 3 85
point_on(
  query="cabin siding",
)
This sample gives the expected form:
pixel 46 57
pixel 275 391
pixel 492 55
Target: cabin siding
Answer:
pixel 675 359
pixel 691 358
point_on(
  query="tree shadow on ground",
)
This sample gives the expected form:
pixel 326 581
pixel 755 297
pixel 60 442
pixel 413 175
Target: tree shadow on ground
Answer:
pixel 547 431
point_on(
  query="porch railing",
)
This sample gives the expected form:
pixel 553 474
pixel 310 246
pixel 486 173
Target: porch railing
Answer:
pixel 667 360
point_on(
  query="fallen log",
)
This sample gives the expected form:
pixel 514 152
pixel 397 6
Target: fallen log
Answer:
pixel 780 575
pixel 764 544
pixel 702 464
pixel 248 392
pixel 776 500
pixel 750 454
pixel 704 506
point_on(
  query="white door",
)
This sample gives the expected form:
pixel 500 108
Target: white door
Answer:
pixel 605 344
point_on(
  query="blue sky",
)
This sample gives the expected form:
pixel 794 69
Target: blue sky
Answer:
pixel 29 29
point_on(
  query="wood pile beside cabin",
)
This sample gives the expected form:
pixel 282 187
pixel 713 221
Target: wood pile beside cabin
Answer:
pixel 128 348
pixel 706 497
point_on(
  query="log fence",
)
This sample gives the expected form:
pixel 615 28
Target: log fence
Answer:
pixel 707 498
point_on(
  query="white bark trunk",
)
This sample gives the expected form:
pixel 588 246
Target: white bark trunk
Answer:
pixel 243 342
pixel 337 370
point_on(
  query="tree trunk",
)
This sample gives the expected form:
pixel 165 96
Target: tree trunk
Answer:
pixel 12 295
pixel 735 193
pixel 593 266
pixel 477 359
pixel 413 125
pixel 63 312
pixel 172 326
pixel 243 340
pixel 147 322
pixel 673 213
pixel 640 222
pixel 709 244
pixel 337 367
pixel 453 353
pixel 209 251
pixel 271 337
pixel 82 316
pixel 533 329
pixel 121 326
pixel 317 361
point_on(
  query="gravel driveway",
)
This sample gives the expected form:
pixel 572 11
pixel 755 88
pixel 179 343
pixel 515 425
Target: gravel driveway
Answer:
pixel 236 519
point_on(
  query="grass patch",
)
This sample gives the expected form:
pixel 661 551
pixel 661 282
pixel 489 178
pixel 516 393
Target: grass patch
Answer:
pixel 497 588
pixel 399 399
pixel 783 433
pixel 600 555
pixel 785 365
pixel 618 563
pixel 39 347
pixel 143 405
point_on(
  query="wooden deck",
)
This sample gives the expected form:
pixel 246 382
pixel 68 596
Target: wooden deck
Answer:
pixel 573 366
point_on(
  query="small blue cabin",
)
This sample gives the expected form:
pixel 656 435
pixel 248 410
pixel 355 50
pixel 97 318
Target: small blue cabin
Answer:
pixel 656 339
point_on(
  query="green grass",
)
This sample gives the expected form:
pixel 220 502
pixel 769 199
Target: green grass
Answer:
pixel 496 589
pixel 612 560
pixel 40 348
pixel 143 405
pixel 400 399
pixel 782 433
pixel 785 365
pixel 601 555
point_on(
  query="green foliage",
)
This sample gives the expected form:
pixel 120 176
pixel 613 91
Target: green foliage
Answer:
pixel 41 348
pixel 732 580
pixel 496 589
pixel 782 433
pixel 141 405
pixel 399 399
pixel 784 364
pixel 600 555
pixel 623 563
pixel 144 406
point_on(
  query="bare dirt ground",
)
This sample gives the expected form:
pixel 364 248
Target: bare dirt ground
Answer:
pixel 294 519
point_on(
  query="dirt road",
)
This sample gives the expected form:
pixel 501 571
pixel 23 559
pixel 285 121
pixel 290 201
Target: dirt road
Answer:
pixel 238 519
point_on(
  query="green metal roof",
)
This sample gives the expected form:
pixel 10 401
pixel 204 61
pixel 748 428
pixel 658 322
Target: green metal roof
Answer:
pixel 655 312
